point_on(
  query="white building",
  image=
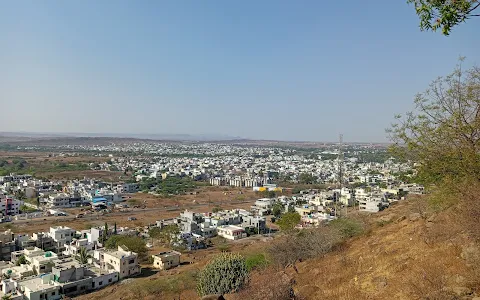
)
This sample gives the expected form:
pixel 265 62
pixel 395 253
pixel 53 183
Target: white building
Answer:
pixel 74 247
pixel 231 232
pixel 122 261
pixel 61 235
pixel 40 288
pixel 370 205
pixel 58 201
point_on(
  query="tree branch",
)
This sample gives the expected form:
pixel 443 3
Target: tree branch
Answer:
pixel 475 7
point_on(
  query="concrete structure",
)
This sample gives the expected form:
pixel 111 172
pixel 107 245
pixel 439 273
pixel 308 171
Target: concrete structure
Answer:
pixel 7 244
pixel 58 201
pixel 61 235
pixel 74 247
pixel 166 260
pixel 370 205
pixel 128 188
pixel 122 261
pixel 43 263
pixel 40 288
pixel 10 206
pixel 231 232
pixel 9 287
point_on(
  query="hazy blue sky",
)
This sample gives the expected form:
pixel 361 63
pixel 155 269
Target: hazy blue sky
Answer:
pixel 291 70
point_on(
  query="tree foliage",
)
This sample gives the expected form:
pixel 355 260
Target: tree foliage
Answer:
pixel 277 209
pixel 133 243
pixel 306 178
pixel 226 273
pixel 21 260
pixel 288 221
pixel 444 14
pixel 155 233
pixel 169 234
pixel 442 134
pixel 83 256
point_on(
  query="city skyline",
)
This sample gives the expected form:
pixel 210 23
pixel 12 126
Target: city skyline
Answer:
pixel 274 70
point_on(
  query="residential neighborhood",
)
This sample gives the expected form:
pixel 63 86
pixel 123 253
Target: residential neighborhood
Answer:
pixel 66 262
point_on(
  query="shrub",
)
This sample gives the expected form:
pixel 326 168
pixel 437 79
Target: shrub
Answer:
pixel 262 287
pixel 256 261
pixel 306 244
pixel 226 273
pixel 347 227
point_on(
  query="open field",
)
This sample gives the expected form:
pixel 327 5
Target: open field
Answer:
pixel 46 165
pixel 157 208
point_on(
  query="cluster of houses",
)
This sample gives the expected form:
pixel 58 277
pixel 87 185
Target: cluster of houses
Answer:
pixel 231 224
pixel 54 196
pixel 47 265
pixel 248 165
pixel 314 207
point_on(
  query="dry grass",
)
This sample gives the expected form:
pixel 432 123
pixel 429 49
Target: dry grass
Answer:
pixel 395 262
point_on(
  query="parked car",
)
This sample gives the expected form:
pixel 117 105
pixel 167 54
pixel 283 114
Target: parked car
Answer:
pixel 132 219
pixel 79 216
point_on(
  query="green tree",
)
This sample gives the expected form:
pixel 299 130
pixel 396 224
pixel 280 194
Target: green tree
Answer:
pixel 216 209
pixel 444 14
pixel 21 260
pixel 105 233
pixel 226 273
pixel 155 233
pixel 169 234
pixel 277 209
pixel 306 178
pixel 132 243
pixel 270 194
pixel 83 256
pixel 443 133
pixel 288 221
pixel 7 297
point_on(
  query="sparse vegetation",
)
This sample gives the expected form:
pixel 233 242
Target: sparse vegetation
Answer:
pixel 347 227
pixel 298 246
pixel 256 261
